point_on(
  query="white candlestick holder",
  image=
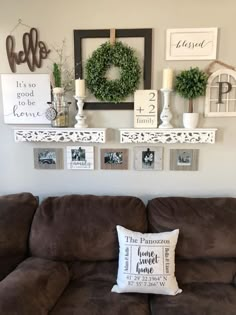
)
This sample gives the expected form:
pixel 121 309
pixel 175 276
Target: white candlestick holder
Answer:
pixel 80 117
pixel 166 114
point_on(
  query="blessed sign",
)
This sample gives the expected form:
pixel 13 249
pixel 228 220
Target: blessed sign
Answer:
pixel 25 98
pixel 191 44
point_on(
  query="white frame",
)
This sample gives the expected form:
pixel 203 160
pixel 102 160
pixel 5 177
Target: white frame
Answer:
pixel 193 35
pixel 25 98
pixel 87 162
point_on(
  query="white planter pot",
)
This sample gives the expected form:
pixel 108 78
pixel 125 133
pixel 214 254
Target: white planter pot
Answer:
pixel 190 120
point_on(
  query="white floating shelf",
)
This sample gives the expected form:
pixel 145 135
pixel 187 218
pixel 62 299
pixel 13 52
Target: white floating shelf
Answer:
pixel 175 135
pixel 88 135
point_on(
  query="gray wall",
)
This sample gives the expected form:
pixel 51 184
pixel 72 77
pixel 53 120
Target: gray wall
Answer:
pixel 56 20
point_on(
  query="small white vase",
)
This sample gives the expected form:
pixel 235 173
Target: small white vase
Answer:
pixel 190 120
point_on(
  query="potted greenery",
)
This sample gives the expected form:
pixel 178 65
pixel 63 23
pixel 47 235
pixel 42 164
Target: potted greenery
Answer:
pixel 191 84
pixel 57 89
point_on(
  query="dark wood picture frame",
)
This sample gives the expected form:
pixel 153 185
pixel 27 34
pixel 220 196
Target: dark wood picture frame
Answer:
pixel 146 33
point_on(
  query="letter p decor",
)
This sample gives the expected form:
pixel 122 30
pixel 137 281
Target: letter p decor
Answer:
pixel 221 92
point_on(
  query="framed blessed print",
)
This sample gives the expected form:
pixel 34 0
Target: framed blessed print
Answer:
pixel 191 43
pixel 148 158
pixel 114 159
pixel 48 158
pixel 184 159
pixel 87 41
pixel 80 157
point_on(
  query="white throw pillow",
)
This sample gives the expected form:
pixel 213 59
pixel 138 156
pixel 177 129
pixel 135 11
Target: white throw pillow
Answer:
pixel 146 262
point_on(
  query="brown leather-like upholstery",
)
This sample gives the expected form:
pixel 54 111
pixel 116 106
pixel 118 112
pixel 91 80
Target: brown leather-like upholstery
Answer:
pixel 77 227
pixel 16 214
pixel 197 299
pixel 207 225
pixel 89 293
pixel 33 287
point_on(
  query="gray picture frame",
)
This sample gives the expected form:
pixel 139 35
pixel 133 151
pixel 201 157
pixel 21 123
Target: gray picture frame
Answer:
pixel 184 159
pixel 148 158
pixel 114 159
pixel 48 158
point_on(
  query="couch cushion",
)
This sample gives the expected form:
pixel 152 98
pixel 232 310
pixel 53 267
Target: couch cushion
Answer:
pixel 206 271
pixel 16 214
pixel 197 299
pixel 83 227
pixel 33 287
pixel 89 293
pixel 207 225
pixel 146 262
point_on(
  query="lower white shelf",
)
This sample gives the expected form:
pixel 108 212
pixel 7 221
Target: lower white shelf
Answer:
pixel 88 135
pixel 175 135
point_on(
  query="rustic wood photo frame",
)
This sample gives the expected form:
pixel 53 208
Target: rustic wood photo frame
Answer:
pixel 184 159
pixel 148 158
pixel 114 159
pixel 145 33
pixel 48 158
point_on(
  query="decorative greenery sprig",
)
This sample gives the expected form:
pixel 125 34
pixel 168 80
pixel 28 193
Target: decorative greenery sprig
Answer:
pixel 191 84
pixel 57 75
pixel 118 55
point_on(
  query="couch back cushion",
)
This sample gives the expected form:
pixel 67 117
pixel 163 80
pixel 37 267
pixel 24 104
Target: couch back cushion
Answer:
pixel 16 214
pixel 207 225
pixel 83 227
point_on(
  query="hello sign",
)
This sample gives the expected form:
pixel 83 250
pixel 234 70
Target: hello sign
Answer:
pixel 34 51
pixel 221 94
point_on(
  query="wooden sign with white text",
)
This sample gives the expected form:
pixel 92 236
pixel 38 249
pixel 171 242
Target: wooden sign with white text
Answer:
pixel 25 98
pixel 145 109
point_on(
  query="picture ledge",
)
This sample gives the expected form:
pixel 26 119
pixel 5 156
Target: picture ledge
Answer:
pixel 85 135
pixel 174 135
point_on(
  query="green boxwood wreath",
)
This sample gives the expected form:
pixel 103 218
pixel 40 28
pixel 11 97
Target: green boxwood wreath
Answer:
pixel 118 55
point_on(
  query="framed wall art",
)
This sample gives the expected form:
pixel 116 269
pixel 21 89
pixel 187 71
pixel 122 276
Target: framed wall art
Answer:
pixel 87 41
pixel 114 159
pixel 80 157
pixel 25 98
pixel 48 158
pixel 191 43
pixel 148 158
pixel 184 159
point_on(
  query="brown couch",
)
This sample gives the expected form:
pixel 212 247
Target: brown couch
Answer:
pixel 60 257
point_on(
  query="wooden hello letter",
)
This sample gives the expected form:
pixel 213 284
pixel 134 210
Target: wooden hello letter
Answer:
pixel 34 51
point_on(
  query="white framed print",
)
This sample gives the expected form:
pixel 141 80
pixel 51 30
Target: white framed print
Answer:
pixel 145 109
pixel 80 157
pixel 25 98
pixel 191 43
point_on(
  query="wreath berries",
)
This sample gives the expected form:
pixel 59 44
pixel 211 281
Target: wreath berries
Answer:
pixel 107 55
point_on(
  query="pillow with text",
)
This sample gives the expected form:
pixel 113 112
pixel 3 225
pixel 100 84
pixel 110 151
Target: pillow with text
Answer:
pixel 146 262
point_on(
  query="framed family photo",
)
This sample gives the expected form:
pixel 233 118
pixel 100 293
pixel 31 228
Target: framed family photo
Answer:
pixel 148 158
pixel 184 159
pixel 80 157
pixel 114 159
pixel 48 158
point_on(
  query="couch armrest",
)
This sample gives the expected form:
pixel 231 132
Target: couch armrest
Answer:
pixel 33 287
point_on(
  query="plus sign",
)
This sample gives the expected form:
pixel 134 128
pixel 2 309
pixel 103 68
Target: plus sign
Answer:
pixel 140 109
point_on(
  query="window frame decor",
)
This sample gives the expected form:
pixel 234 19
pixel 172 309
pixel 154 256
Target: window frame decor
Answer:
pixel 224 94
pixel 79 35
pixel 190 41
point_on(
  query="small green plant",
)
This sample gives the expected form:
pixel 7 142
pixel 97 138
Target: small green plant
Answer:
pixel 56 75
pixel 191 84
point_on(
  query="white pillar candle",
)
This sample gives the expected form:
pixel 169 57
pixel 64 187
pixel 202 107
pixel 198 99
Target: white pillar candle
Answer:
pixel 80 87
pixel 167 79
